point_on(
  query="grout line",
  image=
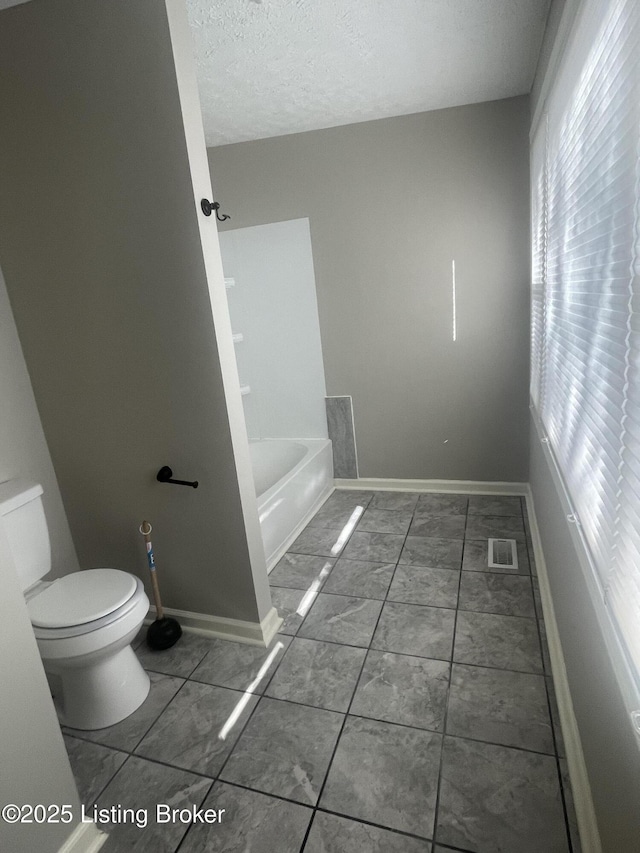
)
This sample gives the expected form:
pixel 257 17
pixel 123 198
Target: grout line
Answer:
pixel 355 689
pixel 420 604
pixel 450 662
pixel 436 808
pixel 401 832
pixel 191 825
pixel 145 758
pixel 541 673
pixel 111 778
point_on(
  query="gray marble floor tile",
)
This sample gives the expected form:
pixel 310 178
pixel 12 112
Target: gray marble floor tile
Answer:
pixel 432 552
pixel 318 541
pixel 495 799
pixel 496 593
pixel 179 660
pixel 438 526
pixel 574 832
pixel 238 665
pixel 411 629
pixel 285 750
pixel 385 521
pixel 319 674
pixel 335 515
pixel 475 558
pixel 353 497
pixel 442 504
pixel 418 585
pixel 385 774
pixel 191 732
pixel 252 823
pixel 128 734
pixel 495 505
pixel 403 689
pixel 361 578
pixel 141 785
pixel 379 547
pixel 505 642
pixel 93 765
pixel 499 706
pixel 299 571
pixel 495 527
pixel 333 834
pixel 288 603
pixel 395 501
pixel 341 619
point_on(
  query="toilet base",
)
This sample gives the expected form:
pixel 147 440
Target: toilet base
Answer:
pixel 100 694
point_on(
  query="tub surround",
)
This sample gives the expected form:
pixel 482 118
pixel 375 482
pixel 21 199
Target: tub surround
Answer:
pixel 341 430
pixel 273 307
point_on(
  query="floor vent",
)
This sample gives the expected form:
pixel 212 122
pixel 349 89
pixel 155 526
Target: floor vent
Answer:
pixel 503 554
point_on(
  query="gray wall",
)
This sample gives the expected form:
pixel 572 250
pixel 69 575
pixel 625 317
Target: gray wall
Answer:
pixel 23 448
pixel 391 203
pixel 104 265
pixel 35 768
pixel 609 745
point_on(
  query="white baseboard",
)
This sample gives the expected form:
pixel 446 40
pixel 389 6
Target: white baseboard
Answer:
pixel 477 487
pixel 85 838
pixel 270 625
pixel 583 801
pixel 282 550
pixel 220 627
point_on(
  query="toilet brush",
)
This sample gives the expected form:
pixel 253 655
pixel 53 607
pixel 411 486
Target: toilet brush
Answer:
pixel 165 631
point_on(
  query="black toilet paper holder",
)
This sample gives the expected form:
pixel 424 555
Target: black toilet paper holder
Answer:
pixel 165 475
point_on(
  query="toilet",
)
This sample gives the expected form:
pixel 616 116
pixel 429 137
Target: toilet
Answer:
pixel 83 622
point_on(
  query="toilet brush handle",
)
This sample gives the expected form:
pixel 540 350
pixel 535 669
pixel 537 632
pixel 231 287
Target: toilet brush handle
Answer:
pixel 145 529
pixel 156 595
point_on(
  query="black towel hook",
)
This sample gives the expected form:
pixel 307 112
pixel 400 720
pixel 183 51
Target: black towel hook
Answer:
pixel 165 475
pixel 209 206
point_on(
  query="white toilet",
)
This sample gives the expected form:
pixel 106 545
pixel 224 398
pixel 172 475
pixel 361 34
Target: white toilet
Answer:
pixel 84 622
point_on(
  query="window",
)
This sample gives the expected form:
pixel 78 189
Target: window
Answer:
pixel 585 357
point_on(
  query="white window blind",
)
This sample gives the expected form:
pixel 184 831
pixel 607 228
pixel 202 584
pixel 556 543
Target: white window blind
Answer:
pixel 585 356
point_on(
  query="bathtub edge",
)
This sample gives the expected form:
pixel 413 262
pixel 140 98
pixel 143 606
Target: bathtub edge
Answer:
pixel 279 553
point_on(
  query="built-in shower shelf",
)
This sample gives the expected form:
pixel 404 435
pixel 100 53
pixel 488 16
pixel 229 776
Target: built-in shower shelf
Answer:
pixel 238 337
pixel 229 282
pixel 245 389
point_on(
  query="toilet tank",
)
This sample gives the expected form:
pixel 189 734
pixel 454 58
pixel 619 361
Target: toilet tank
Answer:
pixel 24 526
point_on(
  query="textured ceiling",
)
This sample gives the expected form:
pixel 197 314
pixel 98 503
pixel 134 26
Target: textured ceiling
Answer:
pixel 283 66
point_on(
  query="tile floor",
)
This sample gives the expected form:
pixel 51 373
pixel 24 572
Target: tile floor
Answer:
pixel 406 706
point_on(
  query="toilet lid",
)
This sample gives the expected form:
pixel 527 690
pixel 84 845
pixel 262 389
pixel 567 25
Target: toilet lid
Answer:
pixel 81 597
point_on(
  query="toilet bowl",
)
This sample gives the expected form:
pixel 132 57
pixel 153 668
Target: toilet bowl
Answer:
pixel 97 676
pixel 83 622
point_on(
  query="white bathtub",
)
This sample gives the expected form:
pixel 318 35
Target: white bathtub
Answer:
pixel 292 477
